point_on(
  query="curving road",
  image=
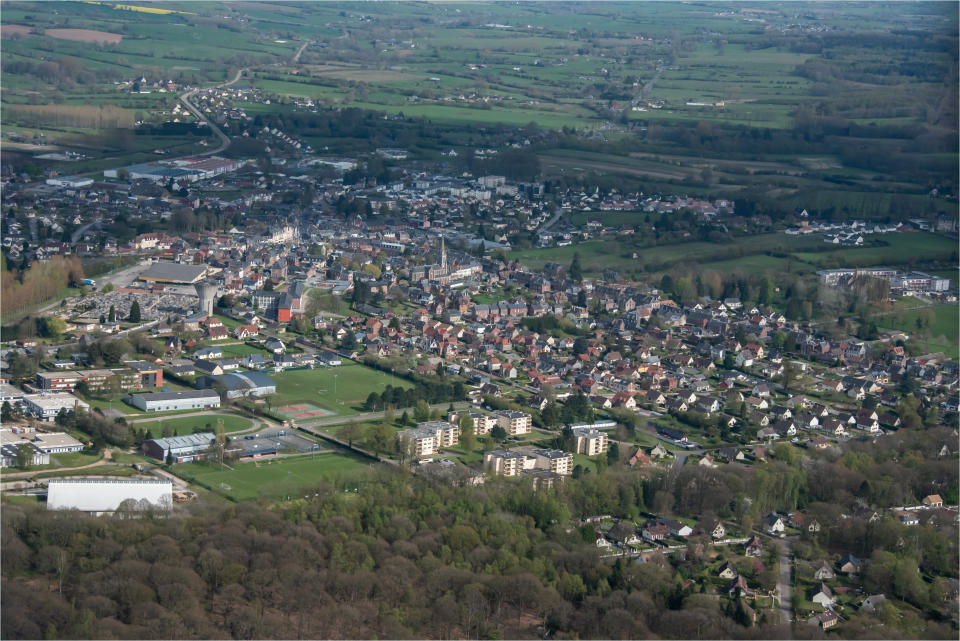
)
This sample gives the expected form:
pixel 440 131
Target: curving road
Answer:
pixel 224 139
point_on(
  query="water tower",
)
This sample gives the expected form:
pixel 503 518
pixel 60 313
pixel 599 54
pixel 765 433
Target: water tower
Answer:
pixel 207 291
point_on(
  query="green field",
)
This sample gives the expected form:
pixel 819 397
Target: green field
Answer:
pixel 598 255
pixel 901 249
pixel 273 479
pixel 942 336
pixel 745 253
pixel 342 389
pixel 187 425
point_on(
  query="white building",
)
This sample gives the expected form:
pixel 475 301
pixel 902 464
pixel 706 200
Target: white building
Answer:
pixel 56 443
pixel 167 401
pixel 8 455
pixel 101 496
pixel 46 406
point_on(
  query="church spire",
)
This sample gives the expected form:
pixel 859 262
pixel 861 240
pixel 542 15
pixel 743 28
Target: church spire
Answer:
pixel 443 255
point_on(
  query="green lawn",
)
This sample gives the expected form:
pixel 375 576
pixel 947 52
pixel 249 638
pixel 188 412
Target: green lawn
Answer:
pixel 241 349
pixel 75 459
pixel 275 478
pixel 342 389
pixel 186 425
pixel 943 335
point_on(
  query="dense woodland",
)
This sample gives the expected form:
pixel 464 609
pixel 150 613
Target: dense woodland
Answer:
pixel 406 557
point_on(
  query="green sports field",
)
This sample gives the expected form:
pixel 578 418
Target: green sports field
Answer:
pixel 341 389
pixel 187 424
pixel 273 479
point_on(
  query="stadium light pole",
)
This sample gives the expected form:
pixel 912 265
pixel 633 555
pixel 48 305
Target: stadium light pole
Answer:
pixel 335 387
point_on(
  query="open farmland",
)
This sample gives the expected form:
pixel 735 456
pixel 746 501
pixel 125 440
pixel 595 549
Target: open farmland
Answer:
pixel 272 479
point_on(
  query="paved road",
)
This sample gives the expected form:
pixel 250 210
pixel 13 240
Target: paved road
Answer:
pixel 224 139
pixel 784 586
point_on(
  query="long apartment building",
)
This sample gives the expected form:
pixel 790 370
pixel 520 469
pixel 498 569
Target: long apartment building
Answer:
pixel 514 422
pixel 96 379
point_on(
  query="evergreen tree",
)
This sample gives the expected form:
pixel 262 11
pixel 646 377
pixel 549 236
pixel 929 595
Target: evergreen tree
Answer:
pixel 576 272
pixel 112 314
pixel 135 312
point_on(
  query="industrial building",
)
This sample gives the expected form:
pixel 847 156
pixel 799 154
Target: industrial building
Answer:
pixel 181 449
pixel 46 406
pixel 174 273
pixel 240 384
pixel 105 496
pixel 168 401
pixel 8 454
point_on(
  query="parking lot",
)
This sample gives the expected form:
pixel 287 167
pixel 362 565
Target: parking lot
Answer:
pixel 279 437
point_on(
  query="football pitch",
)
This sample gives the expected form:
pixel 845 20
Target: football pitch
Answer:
pixel 270 479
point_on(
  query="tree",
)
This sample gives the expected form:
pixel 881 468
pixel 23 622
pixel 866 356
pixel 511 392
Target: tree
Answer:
pixel 613 453
pixel 6 412
pixel 582 298
pixel 112 315
pixel 580 346
pixel 24 455
pixel 349 342
pixel 421 411
pixel 351 432
pixel 373 399
pixel 467 438
pixel 498 434
pixel 575 271
pixel 380 435
pixel 134 312
pixel 790 375
pixel 404 419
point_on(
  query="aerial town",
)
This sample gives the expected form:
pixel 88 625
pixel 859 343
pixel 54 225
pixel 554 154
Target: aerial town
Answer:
pixel 627 396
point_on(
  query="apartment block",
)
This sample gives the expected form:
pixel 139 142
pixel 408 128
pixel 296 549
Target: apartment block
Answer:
pixel 590 441
pixel 556 461
pixel 514 422
pixel 505 462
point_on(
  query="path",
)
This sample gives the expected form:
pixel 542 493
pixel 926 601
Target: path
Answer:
pixel 107 458
pixel 296 56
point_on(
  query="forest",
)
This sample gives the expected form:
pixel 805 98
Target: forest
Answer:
pixel 412 557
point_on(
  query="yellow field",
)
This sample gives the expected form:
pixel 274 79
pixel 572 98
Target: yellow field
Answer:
pixel 132 7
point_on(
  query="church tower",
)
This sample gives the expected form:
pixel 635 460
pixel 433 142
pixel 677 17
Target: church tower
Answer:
pixel 443 256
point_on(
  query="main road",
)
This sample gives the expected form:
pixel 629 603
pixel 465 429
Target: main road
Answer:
pixel 224 139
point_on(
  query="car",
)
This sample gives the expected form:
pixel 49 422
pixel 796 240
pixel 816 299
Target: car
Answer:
pixel 249 437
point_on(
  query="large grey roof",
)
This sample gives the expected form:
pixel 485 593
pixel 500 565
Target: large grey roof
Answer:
pixel 175 272
pixel 169 396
